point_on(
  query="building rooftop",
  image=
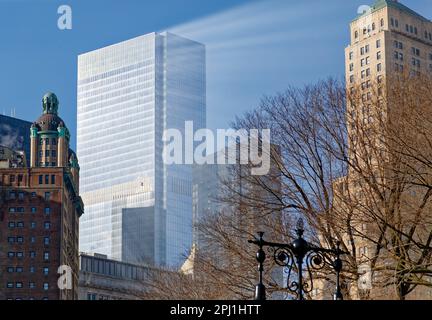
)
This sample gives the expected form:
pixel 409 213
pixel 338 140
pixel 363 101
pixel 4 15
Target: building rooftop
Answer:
pixel 379 4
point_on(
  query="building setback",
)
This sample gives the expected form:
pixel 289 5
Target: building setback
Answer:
pixel 39 212
pixel 138 209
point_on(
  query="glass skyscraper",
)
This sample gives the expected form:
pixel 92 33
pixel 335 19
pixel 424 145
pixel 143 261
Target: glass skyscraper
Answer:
pixel 137 208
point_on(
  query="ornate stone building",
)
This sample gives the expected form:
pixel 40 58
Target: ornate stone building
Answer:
pixel 39 211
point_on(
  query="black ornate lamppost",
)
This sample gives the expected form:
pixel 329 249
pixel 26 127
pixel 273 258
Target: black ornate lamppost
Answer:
pixel 295 255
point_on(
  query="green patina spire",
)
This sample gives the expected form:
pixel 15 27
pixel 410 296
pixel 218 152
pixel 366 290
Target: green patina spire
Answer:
pixel 50 103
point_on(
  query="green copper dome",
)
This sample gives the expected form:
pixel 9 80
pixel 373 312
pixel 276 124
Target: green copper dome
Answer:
pixel 50 103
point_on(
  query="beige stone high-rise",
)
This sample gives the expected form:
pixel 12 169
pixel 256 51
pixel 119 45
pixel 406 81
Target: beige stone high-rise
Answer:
pixel 387 38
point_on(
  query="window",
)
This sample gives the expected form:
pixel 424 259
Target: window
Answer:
pixel 430 56
pixel 12 178
pixel 378 43
pixel 415 31
pixel 351 55
pixel 40 179
pixel 362 51
pixel 32 239
pixel 21 195
pixel 12 210
pixel 362 62
pixel 11 254
pixel 411 29
pixel 45 286
pixel 53 179
pixel 46 179
pixel 10 285
pixel 46 141
pixel 33 194
pixel 11 240
pixel 20 254
pixel 53 153
pixel 12 195
pixel 32 225
pixel 19 269
pixel 367 72
pixel 32 285
pixel 32 269
pixel 351 79
pixel 373 26
pixel 20 224
pixel 18 285
pixel 32 254
pixel 396 23
pixel 10 269
pixel 351 68
pixel 20 209
pixel 392 22
pixel 415 51
pixel 20 239
pixel 46 241
pixel 363 74
pixel 33 210
pixel 47 210
pixel 53 164
pixel 367 60
pixel 379 67
pixel 382 22
pixel 91 296
pixel 407 28
pixel 47 225
pixel 46 256
pixel 367 48
pixel 40 154
pixel 47 153
pixel 53 141
pixel 356 34
pixel 45 271
pixel 47 196
pixel 379 55
pixel 11 225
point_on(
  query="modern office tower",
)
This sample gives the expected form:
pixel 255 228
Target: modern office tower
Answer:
pixel 138 209
pixel 14 134
pixel 40 208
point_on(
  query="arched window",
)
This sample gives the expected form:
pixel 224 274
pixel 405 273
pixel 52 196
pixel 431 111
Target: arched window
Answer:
pixel 382 22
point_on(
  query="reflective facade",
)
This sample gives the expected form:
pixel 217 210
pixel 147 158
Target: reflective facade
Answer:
pixel 15 134
pixel 137 208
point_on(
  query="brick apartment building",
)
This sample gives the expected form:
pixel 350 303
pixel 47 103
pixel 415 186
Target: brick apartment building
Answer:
pixel 40 208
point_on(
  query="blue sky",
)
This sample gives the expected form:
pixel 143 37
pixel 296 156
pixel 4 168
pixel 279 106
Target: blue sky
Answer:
pixel 254 48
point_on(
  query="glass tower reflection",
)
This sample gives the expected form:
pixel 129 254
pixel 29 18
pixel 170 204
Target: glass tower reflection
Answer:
pixel 137 208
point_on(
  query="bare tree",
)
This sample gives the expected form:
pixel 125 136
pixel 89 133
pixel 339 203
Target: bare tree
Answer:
pixel 356 165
